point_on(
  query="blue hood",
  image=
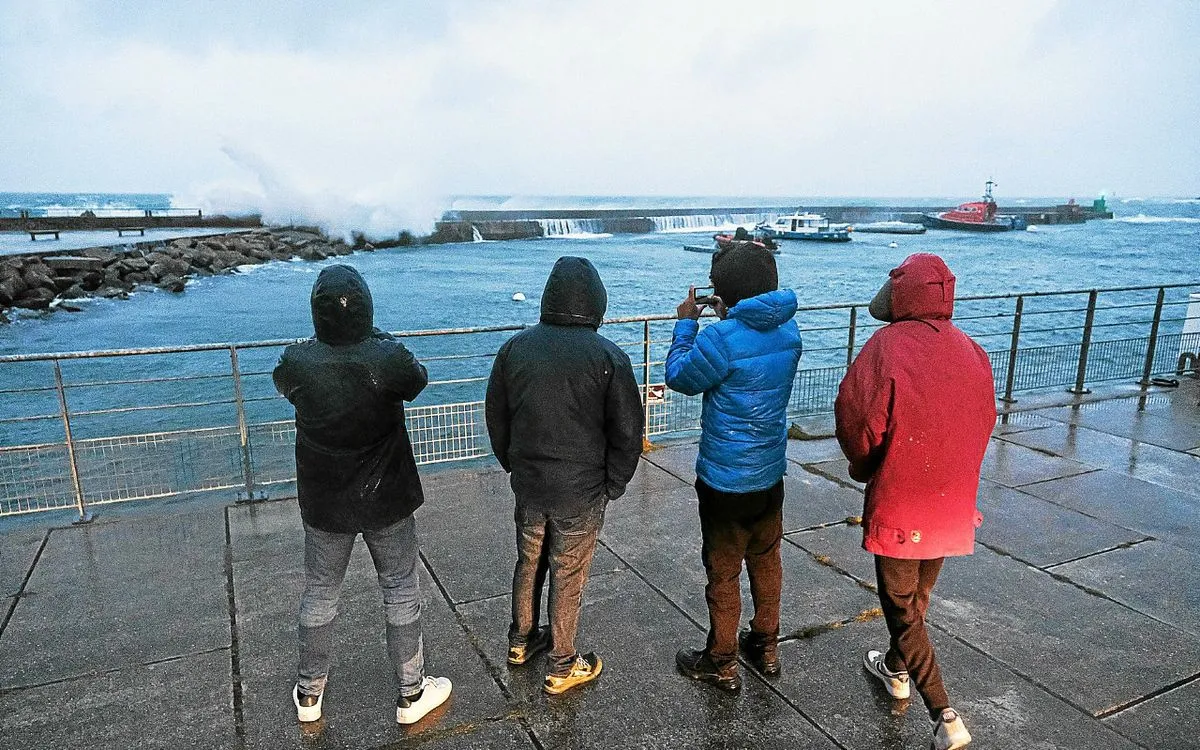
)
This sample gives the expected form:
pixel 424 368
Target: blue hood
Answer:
pixel 766 311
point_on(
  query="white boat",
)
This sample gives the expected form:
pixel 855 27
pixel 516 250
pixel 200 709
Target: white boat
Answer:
pixel 891 227
pixel 800 226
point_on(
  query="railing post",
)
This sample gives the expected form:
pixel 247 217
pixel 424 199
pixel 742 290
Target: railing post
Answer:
pixel 1148 370
pixel 1084 345
pixel 249 494
pixel 646 444
pixel 1011 376
pixel 850 336
pixel 80 504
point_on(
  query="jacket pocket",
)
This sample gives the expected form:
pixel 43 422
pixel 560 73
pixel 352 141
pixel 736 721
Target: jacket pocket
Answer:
pixel 886 535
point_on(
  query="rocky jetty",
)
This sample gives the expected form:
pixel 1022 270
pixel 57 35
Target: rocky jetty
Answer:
pixel 50 282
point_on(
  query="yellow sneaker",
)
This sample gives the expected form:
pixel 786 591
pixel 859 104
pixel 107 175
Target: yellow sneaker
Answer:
pixel 586 668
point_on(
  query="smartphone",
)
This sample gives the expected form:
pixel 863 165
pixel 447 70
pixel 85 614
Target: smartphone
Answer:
pixel 704 295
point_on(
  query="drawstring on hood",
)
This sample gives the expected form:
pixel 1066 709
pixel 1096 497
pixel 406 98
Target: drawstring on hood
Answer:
pixel 574 294
pixel 342 308
pixel 920 288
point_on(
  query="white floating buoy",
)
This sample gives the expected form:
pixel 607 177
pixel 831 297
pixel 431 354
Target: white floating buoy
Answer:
pixel 518 297
pixel 893 244
pixel 1031 228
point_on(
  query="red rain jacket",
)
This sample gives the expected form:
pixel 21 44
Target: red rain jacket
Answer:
pixel 914 415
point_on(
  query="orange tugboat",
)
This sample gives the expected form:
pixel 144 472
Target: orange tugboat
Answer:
pixel 976 216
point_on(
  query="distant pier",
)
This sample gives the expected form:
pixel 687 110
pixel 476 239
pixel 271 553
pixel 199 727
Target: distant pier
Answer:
pixel 463 226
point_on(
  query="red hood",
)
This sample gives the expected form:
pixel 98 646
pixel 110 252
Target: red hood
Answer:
pixel 922 289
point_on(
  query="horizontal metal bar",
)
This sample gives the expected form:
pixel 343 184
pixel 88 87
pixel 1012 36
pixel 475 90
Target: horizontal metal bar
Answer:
pixel 495 329
pixel 95 383
pixel 30 418
pixel 128 409
pixel 28 390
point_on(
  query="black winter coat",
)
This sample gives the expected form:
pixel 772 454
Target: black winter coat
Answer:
pixel 564 412
pixel 355 469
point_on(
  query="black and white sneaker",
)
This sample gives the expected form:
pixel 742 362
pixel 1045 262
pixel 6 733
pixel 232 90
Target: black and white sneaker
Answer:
pixel 895 682
pixel 308 707
pixel 949 732
pixel 413 708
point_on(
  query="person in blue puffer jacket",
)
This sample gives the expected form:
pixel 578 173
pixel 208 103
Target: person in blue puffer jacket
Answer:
pixel 744 365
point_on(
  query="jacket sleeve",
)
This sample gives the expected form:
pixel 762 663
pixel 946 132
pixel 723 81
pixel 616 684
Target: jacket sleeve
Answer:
pixel 496 410
pixel 862 412
pixel 408 377
pixel 624 422
pixel 282 376
pixel 696 363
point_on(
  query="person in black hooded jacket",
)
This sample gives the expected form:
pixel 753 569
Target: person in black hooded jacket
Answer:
pixel 564 416
pixel 355 473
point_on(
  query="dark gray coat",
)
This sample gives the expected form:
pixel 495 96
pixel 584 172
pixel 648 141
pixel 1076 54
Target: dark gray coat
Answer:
pixel 355 469
pixel 564 412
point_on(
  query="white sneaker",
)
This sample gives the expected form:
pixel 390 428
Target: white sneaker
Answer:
pixel 434 692
pixel 308 707
pixel 949 732
pixel 895 682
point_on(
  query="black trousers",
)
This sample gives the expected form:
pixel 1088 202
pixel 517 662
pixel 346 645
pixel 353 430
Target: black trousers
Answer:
pixel 740 527
pixel 904 587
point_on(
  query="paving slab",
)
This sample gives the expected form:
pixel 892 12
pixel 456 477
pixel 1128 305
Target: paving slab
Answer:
pixel 836 469
pixel 1040 532
pixel 1165 722
pixel 813 451
pixel 650 479
pixel 264 530
pixel 678 459
pixel 1122 500
pixel 1019 421
pixel 840 547
pixel 639 701
pixel 468 535
pixel 811 499
pixel 1151 463
pixel 823 678
pixel 1014 465
pixel 664 548
pixel 17 550
pixel 1129 417
pixel 86 605
pixel 1154 578
pixel 1070 641
pixel 359 701
pixel 182 703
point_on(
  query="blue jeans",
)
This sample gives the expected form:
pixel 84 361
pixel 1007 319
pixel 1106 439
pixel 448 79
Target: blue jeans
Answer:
pixel 563 547
pixel 326 555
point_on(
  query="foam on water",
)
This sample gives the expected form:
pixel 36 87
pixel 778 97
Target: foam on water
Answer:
pixel 1144 219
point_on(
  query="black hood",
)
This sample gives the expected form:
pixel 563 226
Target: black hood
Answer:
pixel 342 310
pixel 574 294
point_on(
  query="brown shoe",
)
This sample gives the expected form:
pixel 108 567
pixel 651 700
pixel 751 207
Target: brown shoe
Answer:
pixel 698 666
pixel 760 650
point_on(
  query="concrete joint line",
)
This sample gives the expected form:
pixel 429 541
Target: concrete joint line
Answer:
pixel 12 607
pixel 235 661
pixel 1122 545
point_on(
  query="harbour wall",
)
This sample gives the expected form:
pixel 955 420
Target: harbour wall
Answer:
pixel 465 226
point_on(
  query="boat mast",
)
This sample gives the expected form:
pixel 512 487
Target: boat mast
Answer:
pixel 987 193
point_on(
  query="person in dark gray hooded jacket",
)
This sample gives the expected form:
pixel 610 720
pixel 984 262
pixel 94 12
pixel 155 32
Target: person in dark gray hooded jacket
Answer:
pixel 564 415
pixel 355 473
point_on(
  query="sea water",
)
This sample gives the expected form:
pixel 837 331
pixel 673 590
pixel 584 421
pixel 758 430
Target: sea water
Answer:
pixel 472 284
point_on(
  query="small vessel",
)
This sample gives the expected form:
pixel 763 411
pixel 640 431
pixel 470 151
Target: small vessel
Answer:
pixel 976 216
pixel 890 227
pixel 800 226
pixel 723 240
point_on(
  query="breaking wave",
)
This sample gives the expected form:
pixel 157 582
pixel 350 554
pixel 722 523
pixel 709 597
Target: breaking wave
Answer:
pixel 1144 219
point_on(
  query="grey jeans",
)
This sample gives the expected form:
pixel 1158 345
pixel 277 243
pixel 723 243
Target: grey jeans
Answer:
pixel 326 555
pixel 562 547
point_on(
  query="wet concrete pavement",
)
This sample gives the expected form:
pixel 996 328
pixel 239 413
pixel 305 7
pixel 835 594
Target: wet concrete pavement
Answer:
pixel 1075 625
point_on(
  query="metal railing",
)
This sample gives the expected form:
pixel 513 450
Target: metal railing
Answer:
pixel 80 429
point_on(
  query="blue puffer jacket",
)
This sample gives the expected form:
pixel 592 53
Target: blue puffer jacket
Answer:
pixel 744 365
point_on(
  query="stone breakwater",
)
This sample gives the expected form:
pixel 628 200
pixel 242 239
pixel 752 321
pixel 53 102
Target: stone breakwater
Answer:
pixel 36 282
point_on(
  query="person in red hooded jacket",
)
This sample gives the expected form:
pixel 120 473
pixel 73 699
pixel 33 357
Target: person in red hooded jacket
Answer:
pixel 914 415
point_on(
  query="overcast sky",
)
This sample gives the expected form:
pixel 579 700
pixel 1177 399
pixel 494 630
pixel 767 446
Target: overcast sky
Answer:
pixel 387 107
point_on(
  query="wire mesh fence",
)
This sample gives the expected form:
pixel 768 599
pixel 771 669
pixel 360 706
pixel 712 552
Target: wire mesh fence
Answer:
pixel 89 428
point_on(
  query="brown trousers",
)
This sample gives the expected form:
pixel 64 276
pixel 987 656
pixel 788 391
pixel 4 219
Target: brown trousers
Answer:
pixel 735 527
pixel 904 587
